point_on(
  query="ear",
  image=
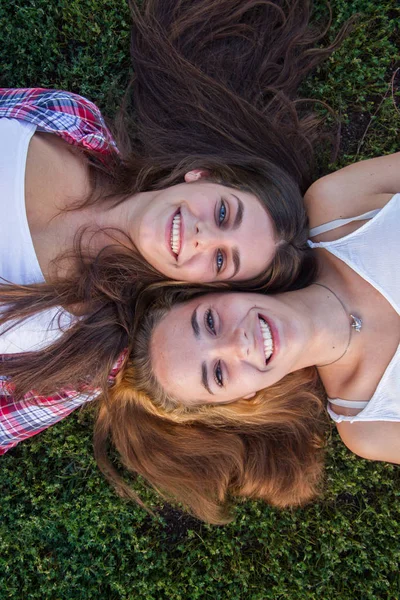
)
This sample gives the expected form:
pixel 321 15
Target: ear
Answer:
pixel 196 174
pixel 249 396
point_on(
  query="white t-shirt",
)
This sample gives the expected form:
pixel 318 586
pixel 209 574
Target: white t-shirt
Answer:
pixel 18 261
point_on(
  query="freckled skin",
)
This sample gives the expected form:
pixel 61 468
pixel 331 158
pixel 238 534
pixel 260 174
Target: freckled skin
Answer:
pixel 178 354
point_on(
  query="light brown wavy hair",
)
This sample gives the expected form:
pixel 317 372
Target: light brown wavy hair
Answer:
pixel 268 447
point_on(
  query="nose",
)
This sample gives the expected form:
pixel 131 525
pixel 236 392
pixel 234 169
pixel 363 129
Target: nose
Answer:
pixel 237 344
pixel 205 237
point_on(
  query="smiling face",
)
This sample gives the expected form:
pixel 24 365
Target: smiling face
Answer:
pixel 200 231
pixel 221 347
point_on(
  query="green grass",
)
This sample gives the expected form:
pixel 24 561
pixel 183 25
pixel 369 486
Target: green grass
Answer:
pixel 63 532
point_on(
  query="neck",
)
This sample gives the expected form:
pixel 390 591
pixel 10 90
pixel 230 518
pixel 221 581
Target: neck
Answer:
pixel 120 221
pixel 326 322
pixel 102 224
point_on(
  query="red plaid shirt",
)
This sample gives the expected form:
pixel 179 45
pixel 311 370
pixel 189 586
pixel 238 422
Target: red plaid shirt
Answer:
pixel 79 122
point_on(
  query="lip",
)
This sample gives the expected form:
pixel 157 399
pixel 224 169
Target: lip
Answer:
pixel 260 339
pixel 168 234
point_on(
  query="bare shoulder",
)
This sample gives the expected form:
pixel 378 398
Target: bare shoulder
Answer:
pixel 54 147
pixel 353 190
pixel 55 172
pixel 328 199
pixel 374 440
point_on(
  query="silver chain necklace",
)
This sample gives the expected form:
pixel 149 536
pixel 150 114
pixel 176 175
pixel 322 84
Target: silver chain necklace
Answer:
pixel 355 324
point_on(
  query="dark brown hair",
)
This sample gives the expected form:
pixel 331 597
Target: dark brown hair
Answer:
pixel 223 76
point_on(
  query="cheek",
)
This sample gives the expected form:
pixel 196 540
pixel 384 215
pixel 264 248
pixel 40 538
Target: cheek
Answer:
pixel 197 271
pixel 166 269
pixel 202 207
pixel 150 216
pixel 251 380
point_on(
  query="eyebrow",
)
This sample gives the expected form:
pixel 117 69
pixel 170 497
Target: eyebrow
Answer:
pixel 236 223
pixel 239 213
pixel 196 330
pixel 236 263
pixel 195 324
pixel 204 378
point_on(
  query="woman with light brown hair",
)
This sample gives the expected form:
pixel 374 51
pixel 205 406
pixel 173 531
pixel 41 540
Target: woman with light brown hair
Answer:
pixel 253 364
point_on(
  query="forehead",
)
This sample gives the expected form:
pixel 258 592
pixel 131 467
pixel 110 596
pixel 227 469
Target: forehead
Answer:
pixel 252 236
pixel 175 353
pixel 256 238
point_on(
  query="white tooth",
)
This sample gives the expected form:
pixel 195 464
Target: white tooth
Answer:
pixel 175 233
pixel 267 338
pixel 175 242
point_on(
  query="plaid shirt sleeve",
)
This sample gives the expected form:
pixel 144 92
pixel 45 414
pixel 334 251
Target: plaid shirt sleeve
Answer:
pixel 70 116
pixel 22 419
pixel 79 122
pixel 32 414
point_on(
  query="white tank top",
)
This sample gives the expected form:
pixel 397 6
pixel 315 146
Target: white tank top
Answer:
pixel 18 261
pixel 373 251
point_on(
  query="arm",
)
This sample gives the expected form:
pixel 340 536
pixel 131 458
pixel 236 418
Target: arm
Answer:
pixel 375 440
pixel 354 190
pixel 22 419
pixel 70 116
